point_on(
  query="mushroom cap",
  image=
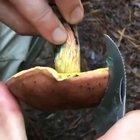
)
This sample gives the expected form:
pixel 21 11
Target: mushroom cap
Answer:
pixel 44 88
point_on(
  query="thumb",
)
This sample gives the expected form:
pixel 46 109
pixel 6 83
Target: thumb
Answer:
pixel 11 119
pixel 127 128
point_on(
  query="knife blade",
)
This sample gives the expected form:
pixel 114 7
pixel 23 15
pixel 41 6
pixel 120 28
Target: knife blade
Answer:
pixel 112 107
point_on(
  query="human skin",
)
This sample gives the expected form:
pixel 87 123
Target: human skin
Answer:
pixel 128 128
pixel 12 122
pixel 11 119
pixel 37 17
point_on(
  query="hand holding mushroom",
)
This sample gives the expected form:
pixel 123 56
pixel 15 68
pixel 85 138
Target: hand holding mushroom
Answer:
pixel 37 17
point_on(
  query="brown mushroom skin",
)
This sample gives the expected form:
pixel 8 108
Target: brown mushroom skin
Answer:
pixel 40 89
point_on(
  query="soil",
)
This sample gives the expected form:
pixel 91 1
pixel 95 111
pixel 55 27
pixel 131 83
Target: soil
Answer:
pixel 120 19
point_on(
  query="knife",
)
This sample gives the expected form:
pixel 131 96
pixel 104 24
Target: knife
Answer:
pixel 112 107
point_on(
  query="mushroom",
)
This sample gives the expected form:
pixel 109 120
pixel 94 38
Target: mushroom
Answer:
pixel 64 87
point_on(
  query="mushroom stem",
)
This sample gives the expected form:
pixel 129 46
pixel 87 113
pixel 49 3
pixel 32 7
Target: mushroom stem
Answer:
pixel 67 60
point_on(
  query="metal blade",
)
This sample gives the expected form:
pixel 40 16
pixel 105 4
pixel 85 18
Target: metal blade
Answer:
pixel 116 65
pixel 112 106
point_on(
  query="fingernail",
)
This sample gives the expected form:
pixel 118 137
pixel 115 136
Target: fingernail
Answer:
pixel 59 35
pixel 77 15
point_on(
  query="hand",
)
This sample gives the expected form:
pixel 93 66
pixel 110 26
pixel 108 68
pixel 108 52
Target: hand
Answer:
pixel 36 16
pixel 11 119
pixel 127 128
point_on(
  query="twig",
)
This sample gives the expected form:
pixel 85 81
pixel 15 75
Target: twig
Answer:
pixel 88 132
pixel 134 45
pixel 75 123
pixel 121 36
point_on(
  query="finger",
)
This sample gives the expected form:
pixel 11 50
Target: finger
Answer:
pixel 127 128
pixel 39 13
pixel 14 20
pixel 72 10
pixel 11 119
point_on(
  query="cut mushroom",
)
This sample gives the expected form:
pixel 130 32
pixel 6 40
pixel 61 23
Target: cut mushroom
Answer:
pixel 64 87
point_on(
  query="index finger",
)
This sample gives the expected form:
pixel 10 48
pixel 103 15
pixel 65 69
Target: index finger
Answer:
pixel 40 14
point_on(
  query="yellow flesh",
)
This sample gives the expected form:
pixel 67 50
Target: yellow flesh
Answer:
pixel 56 75
pixel 62 76
pixel 67 59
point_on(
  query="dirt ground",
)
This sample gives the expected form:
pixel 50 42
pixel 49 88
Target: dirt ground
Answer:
pixel 120 19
